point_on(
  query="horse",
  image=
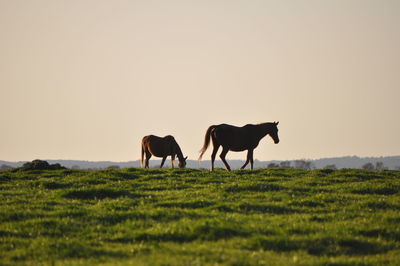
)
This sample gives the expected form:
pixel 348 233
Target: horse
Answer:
pixel 161 147
pixel 233 138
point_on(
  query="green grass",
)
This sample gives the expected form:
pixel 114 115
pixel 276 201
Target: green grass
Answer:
pixel 196 217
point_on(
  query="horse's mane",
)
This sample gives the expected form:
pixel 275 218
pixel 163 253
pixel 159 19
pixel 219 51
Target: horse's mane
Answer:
pixel 265 123
pixel 177 147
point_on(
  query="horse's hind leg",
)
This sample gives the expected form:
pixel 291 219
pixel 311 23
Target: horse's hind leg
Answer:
pixel 214 153
pixel 148 156
pixel 222 156
pixel 215 149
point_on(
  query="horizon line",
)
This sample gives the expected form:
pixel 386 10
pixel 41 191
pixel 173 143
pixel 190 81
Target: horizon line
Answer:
pixel 303 159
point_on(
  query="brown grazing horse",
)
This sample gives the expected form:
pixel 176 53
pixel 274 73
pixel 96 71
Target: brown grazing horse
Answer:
pixel 161 147
pixel 233 138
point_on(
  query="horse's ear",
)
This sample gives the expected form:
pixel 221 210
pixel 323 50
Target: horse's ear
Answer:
pixel 276 123
pixel 185 158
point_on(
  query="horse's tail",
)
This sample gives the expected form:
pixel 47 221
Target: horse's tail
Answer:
pixel 142 155
pixel 206 141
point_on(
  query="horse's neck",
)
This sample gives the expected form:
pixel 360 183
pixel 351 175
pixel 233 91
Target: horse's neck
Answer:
pixel 178 151
pixel 262 131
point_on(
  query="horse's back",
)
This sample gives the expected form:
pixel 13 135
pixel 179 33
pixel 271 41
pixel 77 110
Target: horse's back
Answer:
pixel 234 130
pixel 226 126
pixel 169 138
pixel 248 127
pixel 154 139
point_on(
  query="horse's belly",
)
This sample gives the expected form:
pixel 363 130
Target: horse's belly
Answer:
pixel 242 147
pixel 233 146
pixel 237 149
pixel 158 152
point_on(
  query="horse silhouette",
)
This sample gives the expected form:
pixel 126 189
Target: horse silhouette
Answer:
pixel 161 147
pixel 233 138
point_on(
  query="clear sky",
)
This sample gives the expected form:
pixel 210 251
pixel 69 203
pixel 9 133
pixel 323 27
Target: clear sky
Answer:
pixel 88 79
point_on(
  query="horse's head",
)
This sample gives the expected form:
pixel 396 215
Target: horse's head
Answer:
pixel 182 162
pixel 274 132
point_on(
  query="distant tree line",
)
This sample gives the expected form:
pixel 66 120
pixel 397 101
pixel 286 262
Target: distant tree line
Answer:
pixel 374 167
pixel 298 164
pixel 308 165
pixel 5 167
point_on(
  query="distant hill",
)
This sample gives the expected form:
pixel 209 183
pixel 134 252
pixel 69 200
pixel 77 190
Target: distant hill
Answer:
pixel 391 162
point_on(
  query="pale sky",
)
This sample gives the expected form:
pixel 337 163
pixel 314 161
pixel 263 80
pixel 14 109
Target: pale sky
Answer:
pixel 87 79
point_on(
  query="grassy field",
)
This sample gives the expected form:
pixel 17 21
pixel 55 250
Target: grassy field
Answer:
pixel 198 217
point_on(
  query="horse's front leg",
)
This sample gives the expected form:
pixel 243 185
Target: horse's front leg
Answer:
pixel 172 161
pixel 247 161
pixel 162 161
pixel 250 155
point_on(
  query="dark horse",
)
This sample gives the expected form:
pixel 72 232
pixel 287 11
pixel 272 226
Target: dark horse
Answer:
pixel 233 138
pixel 161 147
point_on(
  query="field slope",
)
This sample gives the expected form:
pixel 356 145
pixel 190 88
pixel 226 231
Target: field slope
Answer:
pixel 198 217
